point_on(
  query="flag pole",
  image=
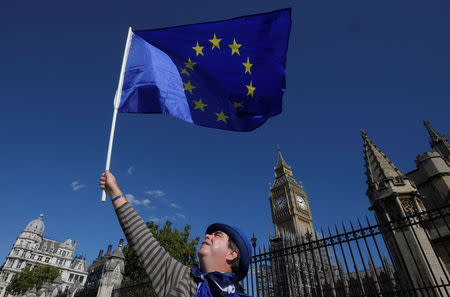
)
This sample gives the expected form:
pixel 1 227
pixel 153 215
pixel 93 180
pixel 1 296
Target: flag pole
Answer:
pixel 116 103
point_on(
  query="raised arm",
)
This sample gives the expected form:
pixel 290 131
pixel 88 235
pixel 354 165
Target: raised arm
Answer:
pixel 167 276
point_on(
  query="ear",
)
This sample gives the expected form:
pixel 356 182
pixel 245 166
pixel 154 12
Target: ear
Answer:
pixel 231 255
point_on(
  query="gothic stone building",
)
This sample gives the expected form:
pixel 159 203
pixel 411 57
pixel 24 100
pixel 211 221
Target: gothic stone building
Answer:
pixel 417 251
pixel 32 248
pixel 393 196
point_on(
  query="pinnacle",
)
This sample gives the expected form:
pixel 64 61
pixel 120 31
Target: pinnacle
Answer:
pixel 280 161
pixel 378 165
pixel 434 136
pixel 364 134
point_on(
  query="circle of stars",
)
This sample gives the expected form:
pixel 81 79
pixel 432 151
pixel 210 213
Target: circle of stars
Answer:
pixel 190 65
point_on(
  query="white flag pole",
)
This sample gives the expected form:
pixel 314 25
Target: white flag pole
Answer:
pixel 117 102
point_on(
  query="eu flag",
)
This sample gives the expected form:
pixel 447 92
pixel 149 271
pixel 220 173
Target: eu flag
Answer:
pixel 226 75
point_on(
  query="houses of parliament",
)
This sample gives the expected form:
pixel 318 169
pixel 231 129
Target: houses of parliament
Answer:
pixel 419 251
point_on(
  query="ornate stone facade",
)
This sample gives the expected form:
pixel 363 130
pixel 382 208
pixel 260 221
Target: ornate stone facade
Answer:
pixel 32 248
pixel 395 195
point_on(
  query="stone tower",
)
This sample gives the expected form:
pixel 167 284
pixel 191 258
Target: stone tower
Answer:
pixel 394 196
pixel 432 176
pixel 289 202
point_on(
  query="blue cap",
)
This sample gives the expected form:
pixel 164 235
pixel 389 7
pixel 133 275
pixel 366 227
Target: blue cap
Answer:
pixel 243 244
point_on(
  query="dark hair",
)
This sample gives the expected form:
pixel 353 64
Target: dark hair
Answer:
pixel 235 264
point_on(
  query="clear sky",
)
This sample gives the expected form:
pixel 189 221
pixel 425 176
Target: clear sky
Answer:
pixel 382 66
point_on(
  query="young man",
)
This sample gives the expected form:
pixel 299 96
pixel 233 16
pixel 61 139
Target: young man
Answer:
pixel 224 254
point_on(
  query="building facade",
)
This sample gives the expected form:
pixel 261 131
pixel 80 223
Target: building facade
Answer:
pixel 105 273
pixel 31 248
pixel 418 247
pixel 419 252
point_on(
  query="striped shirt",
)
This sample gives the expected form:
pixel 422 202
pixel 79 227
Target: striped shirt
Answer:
pixel 169 278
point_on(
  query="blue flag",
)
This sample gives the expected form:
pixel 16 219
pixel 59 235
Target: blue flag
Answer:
pixel 225 75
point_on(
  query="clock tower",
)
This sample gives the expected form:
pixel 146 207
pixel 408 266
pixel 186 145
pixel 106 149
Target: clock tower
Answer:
pixel 289 202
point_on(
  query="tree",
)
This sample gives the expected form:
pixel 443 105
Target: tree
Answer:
pixel 27 278
pixel 176 243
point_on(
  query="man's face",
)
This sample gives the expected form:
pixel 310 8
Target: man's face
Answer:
pixel 215 244
pixel 214 254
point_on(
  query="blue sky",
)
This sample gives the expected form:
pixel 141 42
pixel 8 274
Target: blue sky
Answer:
pixel 382 66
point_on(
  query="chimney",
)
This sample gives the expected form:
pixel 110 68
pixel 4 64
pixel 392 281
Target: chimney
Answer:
pixel 108 252
pixel 120 243
pixel 100 254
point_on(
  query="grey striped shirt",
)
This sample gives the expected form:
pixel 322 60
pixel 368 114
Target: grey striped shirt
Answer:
pixel 168 276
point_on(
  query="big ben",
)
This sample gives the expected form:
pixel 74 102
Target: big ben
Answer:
pixel 289 202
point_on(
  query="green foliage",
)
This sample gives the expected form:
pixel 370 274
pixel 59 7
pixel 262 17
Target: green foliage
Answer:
pixel 175 242
pixel 27 278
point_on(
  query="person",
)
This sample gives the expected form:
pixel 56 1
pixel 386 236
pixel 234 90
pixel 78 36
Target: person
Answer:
pixel 224 254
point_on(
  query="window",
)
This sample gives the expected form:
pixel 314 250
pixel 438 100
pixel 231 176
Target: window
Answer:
pixel 5 276
pixel 28 244
pixel 39 258
pixel 16 251
pixel 79 266
pixel 36 246
pixel 64 253
pixel 61 262
pixel 70 277
pixel 24 253
pixel 81 278
pixel 19 264
pixel 28 265
pixel 32 256
pixel 47 259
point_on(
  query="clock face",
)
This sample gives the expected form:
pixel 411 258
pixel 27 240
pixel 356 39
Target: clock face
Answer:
pixel 301 202
pixel 280 203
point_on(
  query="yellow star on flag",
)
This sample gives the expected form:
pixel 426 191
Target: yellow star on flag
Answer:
pixel 200 105
pixel 189 64
pixel 184 71
pixel 215 42
pixel 188 86
pixel 251 89
pixel 198 49
pixel 222 117
pixel 235 47
pixel 238 104
pixel 247 66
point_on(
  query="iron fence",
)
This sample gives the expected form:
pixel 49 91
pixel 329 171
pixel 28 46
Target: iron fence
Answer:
pixel 404 257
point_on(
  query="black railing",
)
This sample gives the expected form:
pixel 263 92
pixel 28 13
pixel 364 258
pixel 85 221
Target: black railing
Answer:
pixel 404 257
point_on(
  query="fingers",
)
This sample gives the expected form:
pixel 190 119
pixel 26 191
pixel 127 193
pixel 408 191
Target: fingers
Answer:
pixel 108 183
pixel 103 181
